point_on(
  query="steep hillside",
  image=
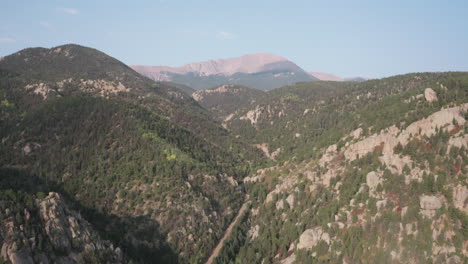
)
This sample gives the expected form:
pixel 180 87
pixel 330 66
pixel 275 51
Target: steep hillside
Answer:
pixel 188 90
pixel 385 183
pixel 297 119
pixel 262 71
pixel 43 229
pixel 153 161
pixel 224 100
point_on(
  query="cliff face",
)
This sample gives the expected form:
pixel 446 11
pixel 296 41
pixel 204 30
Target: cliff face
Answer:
pixel 46 230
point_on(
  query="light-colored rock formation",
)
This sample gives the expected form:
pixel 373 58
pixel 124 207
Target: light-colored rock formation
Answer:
pixel 71 238
pixel 280 204
pixel 253 115
pixel 460 198
pixel 290 200
pixel 329 155
pixel 101 87
pixel 381 204
pixel 232 181
pixel 459 142
pixel 373 180
pixel 231 88
pixel 389 138
pixel 289 260
pixel 356 133
pixel 264 147
pixel 253 232
pixel 27 149
pixel 429 204
pixel 286 184
pixel 311 237
pixel 430 95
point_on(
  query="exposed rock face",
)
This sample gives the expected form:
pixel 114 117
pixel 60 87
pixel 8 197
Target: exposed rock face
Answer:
pixel 231 88
pixel 285 185
pixel 264 147
pixel 253 115
pixel 429 204
pixel 280 205
pixel 311 237
pixel 329 155
pixel 253 232
pixel 381 204
pixel 430 95
pixel 71 238
pixel 459 142
pixel 460 198
pixel 289 260
pixel 290 200
pixel 373 180
pixel 387 139
pixel 392 135
pixel 102 87
pixel 357 133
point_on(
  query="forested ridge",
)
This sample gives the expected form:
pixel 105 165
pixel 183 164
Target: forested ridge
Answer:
pixel 99 164
pixel 371 172
pixel 145 155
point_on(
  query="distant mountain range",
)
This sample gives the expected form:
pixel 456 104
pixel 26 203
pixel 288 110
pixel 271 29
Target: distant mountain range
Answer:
pixel 263 71
pixel 323 76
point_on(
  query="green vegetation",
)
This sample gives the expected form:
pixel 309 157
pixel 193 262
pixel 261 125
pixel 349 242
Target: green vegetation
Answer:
pixel 386 226
pixel 326 111
pixel 226 99
pixel 154 173
pixel 139 164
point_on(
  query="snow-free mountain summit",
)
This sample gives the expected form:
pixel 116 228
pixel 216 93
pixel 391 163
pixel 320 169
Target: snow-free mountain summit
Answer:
pixel 263 71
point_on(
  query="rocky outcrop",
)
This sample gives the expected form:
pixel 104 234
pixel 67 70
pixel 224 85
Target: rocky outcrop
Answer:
pixel 290 200
pixel 311 237
pixel 389 138
pixel 280 204
pixel 102 88
pixel 253 115
pixel 429 204
pixel 459 142
pixel 289 260
pixel 430 95
pixel 50 232
pixel 253 232
pixel 460 198
pixel 264 147
pixel 225 88
pixel 373 180
pixel 284 186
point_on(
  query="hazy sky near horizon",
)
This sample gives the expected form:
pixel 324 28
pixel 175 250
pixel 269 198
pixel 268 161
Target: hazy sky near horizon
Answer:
pixel 372 38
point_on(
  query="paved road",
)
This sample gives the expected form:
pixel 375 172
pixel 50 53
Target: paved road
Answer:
pixel 227 233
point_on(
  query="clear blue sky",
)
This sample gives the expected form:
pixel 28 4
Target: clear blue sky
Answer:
pixel 372 38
